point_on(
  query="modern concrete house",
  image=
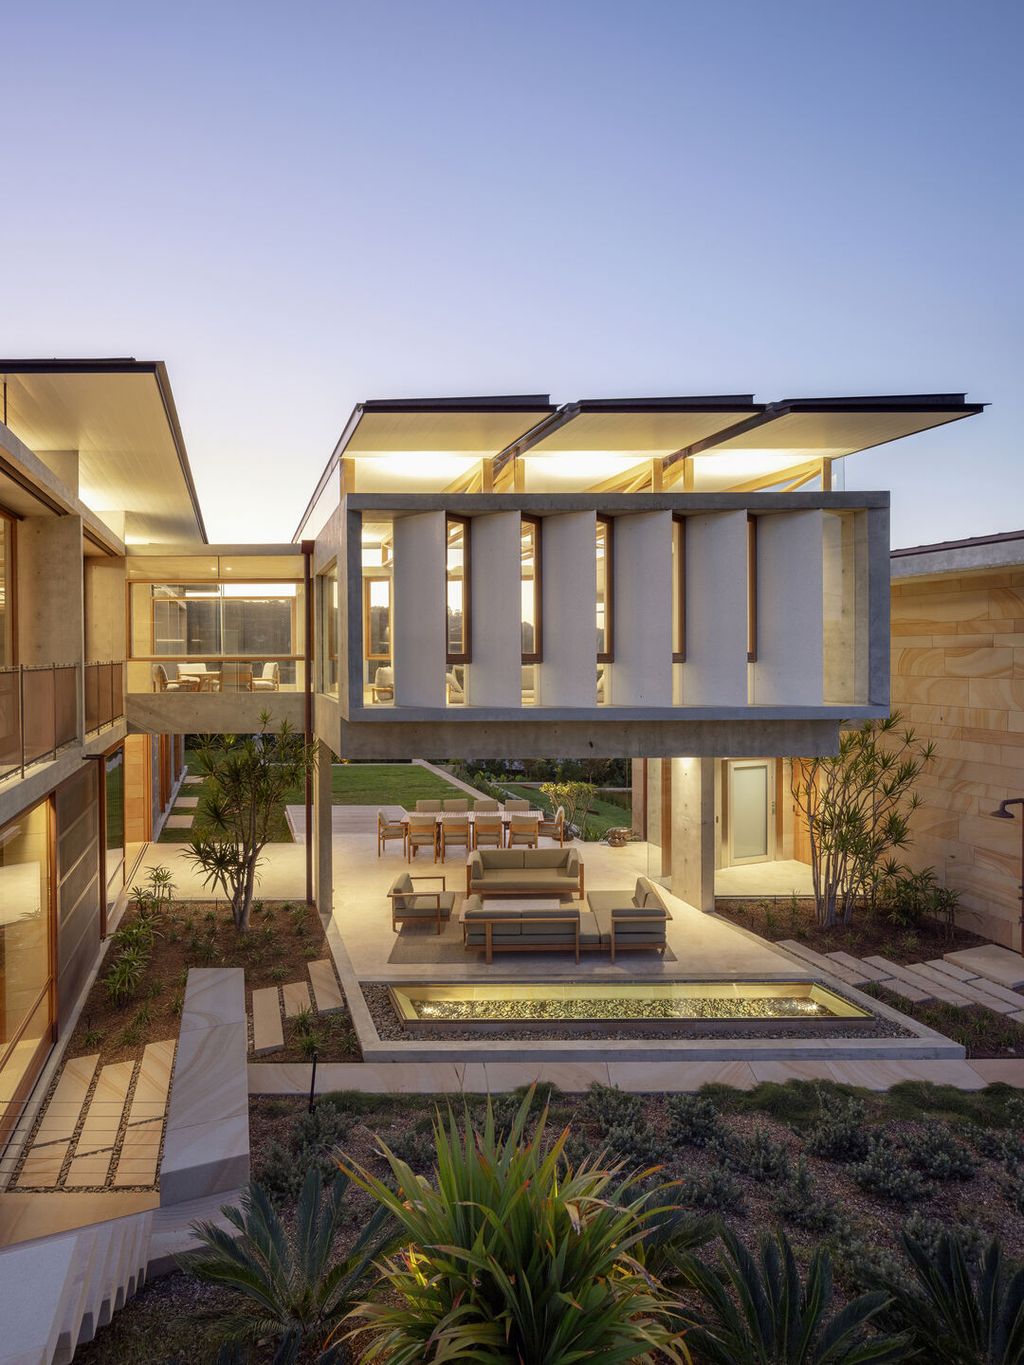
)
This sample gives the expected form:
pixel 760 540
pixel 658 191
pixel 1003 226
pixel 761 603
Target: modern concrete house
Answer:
pixel 958 678
pixel 680 580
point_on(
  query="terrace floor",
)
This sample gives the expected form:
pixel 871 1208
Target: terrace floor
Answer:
pixel 700 946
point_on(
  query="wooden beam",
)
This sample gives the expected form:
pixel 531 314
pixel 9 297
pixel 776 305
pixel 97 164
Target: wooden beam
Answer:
pixel 810 467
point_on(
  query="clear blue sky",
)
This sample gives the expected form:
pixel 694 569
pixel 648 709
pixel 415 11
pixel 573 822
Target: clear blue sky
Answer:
pixel 298 206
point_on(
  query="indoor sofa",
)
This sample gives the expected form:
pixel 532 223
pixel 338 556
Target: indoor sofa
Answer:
pixel 631 919
pixel 524 872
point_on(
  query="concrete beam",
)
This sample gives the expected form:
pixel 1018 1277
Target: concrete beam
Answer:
pixel 211 713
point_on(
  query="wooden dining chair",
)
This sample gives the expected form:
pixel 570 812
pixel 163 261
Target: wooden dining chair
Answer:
pixel 522 832
pixel 488 829
pixel 422 834
pixel 454 834
pixel 389 829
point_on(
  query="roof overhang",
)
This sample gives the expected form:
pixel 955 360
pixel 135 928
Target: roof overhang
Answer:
pixel 120 418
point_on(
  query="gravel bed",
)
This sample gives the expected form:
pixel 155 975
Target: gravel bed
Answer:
pixel 391 1029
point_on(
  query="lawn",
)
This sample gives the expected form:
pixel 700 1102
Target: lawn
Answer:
pixel 384 784
pixel 604 815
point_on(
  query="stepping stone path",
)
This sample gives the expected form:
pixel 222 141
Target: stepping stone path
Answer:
pixel 272 1004
pixel 103 1127
pixel 960 978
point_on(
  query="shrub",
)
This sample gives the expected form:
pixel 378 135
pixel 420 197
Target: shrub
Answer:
pixel 957 1312
pixel 936 1153
pixel 311 1145
pixel 124 978
pixel 635 1143
pixel 287 1292
pixel 760 1156
pixel 505 1256
pixel 929 1232
pixel 717 1190
pixel 861 1262
pixel 886 1172
pixel 840 1133
pixel 694 1121
pixel 799 1203
pixel 607 1105
pixel 757 1309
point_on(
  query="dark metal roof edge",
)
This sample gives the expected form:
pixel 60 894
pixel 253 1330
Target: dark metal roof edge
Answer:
pixel 102 365
pixel 728 402
pixel 996 538
pixel 529 402
pixel 886 402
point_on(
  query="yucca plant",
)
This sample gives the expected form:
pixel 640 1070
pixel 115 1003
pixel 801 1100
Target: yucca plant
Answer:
pixel 758 1311
pixel 507 1255
pixel 290 1292
pixel 962 1308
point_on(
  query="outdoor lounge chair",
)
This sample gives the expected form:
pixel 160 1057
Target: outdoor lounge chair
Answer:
pixel 269 680
pixel 555 827
pixel 525 872
pixel 525 929
pixel 631 920
pixel 422 834
pixel 389 829
pixel 383 686
pixel 410 905
pixel 162 683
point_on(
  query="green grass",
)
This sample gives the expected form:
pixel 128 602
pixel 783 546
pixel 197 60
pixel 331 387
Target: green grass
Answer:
pixel 603 814
pixel 383 784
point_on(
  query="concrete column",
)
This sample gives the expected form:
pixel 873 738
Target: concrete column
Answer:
pixel 419 610
pixel 715 671
pixel 790 610
pixel 322 834
pixel 693 831
pixel 879 605
pixel 493 676
pixel 568 674
pixel 50 590
pixel 104 608
pixel 845 594
pixel 641 674
pixel 639 802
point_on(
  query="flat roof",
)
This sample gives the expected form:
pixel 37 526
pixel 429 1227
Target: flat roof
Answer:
pixel 119 414
pixel 972 554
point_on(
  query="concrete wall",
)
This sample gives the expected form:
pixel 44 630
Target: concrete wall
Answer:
pixel 496 611
pixel 715 671
pixel 958 679
pixel 568 672
pixel 50 590
pixel 788 668
pixel 105 631
pixel 419 610
pixel 693 831
pixel 641 674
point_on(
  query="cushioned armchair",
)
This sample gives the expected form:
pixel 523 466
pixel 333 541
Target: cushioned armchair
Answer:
pixel 422 834
pixel 555 827
pixel 389 829
pixel 410 904
pixel 383 686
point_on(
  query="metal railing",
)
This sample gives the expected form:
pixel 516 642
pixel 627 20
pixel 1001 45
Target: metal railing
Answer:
pixel 104 694
pixel 38 714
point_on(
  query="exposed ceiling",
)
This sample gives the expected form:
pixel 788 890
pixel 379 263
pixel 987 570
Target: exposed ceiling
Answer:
pixel 119 416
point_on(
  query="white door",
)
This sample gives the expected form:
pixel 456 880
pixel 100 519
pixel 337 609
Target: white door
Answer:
pixel 750 811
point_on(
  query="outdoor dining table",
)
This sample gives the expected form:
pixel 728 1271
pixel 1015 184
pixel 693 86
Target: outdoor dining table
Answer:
pixel 504 815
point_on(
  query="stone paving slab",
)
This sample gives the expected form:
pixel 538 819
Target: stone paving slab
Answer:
pixel 1010 1070
pixel 910 993
pixel 998 964
pixel 822 963
pixel 373 1078
pixel 207 1083
pixel 178 822
pixel 932 990
pixel 1012 998
pixel 677 1077
pixel 966 988
pixel 882 1075
pixel 106 1108
pixel 858 966
pixel 140 1153
pixel 92 1168
pixel 326 991
pixel 193 779
pixel 212 997
pixel 267 1032
pixel 43 1164
pixel 781 1072
pixel 951 969
pixel 186 803
pixel 296 998
pixel 62 1113
pixel 149 1099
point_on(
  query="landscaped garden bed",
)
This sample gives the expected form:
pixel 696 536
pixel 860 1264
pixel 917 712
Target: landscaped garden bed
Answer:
pixel 283 938
pixel 834 1169
pixel 980 1030
pixel 867 936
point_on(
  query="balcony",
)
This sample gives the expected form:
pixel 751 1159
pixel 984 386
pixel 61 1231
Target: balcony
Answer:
pixel 38 714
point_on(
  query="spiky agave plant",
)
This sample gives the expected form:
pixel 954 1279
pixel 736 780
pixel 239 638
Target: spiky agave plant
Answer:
pixel 289 1292
pixel 759 1311
pixel 509 1254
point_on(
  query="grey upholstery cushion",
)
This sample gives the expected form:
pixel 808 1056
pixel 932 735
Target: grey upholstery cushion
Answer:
pixel 477 911
pixel 548 857
pixel 493 858
pixel 649 911
pixel 476 934
pixel 562 912
pixel 624 936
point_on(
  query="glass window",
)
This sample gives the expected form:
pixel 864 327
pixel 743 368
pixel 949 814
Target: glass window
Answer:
pixel 458 589
pixel 114 819
pixel 26 1006
pixel 378 566
pixel 530 588
pixel 678 589
pixel 751 589
pixel 329 630
pixel 604 589
pixel 6 591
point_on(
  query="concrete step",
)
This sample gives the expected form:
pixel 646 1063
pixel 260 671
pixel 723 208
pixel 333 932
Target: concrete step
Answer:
pixel 90 1244
pixel 1000 965
pixel 934 990
pixel 37 1291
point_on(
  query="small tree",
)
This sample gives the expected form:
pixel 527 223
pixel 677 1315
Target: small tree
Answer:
pixel 576 798
pixel 247 779
pixel 857 805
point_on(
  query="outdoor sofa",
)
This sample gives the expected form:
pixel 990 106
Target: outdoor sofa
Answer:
pixel 631 919
pixel 524 872
pixel 522 929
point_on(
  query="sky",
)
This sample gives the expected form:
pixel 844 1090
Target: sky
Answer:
pixel 301 206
